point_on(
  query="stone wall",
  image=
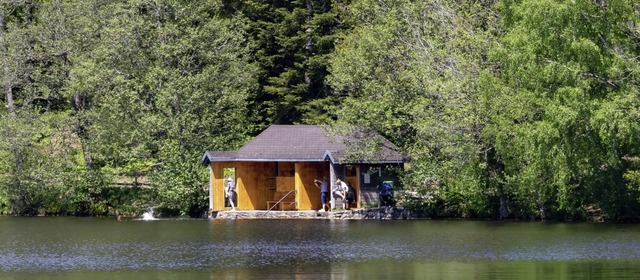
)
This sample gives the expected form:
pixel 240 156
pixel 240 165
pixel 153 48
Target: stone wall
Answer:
pixel 381 213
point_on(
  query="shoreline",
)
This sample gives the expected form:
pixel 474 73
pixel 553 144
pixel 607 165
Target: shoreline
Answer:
pixel 380 213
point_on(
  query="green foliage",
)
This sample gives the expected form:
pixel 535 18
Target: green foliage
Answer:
pixel 562 102
pixel 187 92
pixel 181 183
pixel 409 69
pixel 86 195
pixel 144 79
pixel 507 109
pixel 293 40
pixel 34 147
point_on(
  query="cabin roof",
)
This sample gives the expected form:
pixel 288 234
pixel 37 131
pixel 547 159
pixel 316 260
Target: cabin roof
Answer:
pixel 301 143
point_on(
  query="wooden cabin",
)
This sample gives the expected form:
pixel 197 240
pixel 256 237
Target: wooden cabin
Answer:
pixel 276 170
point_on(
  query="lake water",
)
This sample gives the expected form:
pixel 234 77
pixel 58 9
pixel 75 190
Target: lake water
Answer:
pixel 101 248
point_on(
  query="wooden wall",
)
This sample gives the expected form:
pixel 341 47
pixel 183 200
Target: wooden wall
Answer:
pixel 217 185
pixel 285 180
pixel 258 182
pixel 308 195
pixel 255 182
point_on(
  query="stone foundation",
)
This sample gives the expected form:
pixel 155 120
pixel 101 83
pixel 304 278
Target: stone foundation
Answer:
pixel 381 213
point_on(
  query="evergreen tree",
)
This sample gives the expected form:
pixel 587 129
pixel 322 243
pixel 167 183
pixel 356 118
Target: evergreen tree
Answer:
pixel 293 41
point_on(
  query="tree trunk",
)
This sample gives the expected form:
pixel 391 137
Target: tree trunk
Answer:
pixel 504 208
pixel 10 106
pixel 308 47
pixel 79 104
pixel 7 85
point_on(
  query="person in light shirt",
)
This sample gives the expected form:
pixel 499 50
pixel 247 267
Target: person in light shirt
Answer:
pixel 230 191
pixel 340 192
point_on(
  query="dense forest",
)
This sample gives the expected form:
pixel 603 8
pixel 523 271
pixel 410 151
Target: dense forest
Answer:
pixel 513 109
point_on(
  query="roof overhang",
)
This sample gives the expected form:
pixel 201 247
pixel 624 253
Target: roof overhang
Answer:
pixel 336 159
pixel 210 157
pixel 305 143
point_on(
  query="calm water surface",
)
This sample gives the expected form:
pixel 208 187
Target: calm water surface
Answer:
pixel 95 248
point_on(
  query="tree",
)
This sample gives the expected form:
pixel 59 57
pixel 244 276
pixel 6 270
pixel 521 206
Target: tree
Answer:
pixel 565 97
pixel 293 40
pixel 34 70
pixel 119 90
pixel 408 71
pixel 169 81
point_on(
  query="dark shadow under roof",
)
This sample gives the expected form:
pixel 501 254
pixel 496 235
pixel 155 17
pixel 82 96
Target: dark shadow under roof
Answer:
pixel 299 143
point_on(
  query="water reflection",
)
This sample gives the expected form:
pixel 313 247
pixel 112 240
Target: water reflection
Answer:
pixel 320 249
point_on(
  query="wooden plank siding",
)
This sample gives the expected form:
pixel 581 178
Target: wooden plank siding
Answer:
pixel 257 183
pixel 254 184
pixel 217 186
pixel 308 195
pixel 260 182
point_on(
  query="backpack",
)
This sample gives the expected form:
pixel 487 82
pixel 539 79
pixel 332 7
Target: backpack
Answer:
pixel 386 189
pixel 351 195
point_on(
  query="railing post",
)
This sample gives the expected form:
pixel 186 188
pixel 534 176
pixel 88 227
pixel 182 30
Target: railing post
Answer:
pixel 278 202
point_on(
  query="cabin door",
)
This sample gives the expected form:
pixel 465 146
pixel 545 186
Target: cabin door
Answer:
pixel 230 192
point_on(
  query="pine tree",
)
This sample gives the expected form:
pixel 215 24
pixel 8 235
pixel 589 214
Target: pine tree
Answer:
pixel 293 42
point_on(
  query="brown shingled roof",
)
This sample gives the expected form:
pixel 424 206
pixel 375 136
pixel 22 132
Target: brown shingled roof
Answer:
pixel 298 143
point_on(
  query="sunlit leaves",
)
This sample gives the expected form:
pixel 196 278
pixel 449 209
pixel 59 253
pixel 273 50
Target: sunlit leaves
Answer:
pixel 140 84
pixel 408 70
pixel 561 123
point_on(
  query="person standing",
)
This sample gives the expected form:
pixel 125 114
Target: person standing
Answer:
pixel 351 195
pixel 324 191
pixel 230 191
